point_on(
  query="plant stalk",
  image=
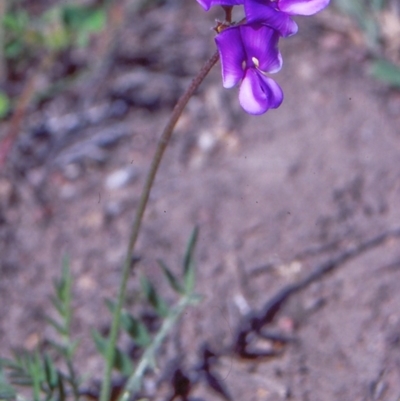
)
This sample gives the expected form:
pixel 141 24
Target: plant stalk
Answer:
pixel 161 146
pixel 133 384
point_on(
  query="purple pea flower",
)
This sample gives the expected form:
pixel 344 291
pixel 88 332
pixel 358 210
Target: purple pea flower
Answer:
pixel 247 53
pixel 276 13
pixel 207 4
pixel 301 7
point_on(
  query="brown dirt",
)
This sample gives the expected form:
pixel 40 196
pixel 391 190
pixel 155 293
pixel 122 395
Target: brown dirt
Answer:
pixel 274 196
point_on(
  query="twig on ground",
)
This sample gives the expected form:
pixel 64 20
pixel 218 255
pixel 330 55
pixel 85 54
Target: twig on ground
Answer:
pixel 256 322
pixel 21 108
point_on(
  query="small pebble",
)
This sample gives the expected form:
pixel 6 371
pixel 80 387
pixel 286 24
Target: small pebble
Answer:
pixel 5 190
pixel 206 141
pixel 92 220
pixel 113 209
pixel 72 171
pixel 119 178
pixel 67 191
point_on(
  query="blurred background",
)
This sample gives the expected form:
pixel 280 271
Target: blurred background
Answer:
pixel 85 89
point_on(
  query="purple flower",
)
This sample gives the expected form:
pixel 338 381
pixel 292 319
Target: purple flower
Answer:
pixel 247 53
pixel 276 14
pixel 207 4
pixel 301 7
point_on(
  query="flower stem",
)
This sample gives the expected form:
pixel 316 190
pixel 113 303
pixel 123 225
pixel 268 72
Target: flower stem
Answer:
pixel 147 360
pixel 161 146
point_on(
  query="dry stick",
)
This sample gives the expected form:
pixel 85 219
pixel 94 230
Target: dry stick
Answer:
pixel 107 42
pixel 275 303
pixel 161 146
pixel 23 102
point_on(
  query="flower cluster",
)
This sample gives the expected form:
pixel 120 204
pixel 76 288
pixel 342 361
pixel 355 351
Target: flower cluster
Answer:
pixel 249 50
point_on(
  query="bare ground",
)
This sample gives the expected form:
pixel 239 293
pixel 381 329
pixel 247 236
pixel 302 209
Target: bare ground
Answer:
pixel 276 197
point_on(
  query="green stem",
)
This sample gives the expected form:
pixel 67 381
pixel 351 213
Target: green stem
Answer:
pixel 73 379
pixel 133 384
pixel 161 146
pixel 3 11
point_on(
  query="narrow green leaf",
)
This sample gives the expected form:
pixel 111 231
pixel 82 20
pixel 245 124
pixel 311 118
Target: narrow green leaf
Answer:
pixel 386 72
pixel 61 349
pixel 172 280
pixel 136 329
pixel 61 388
pixel 99 341
pixel 4 104
pixel 10 22
pixel 110 305
pixel 95 21
pixel 63 285
pixel 22 382
pixel 121 361
pixel 58 305
pixel 37 375
pixel 15 371
pixel 14 375
pixel 73 347
pixel 50 372
pixel 7 363
pixel 60 329
pixel 377 5
pixel 7 391
pixel 14 49
pixel 153 298
pixel 188 262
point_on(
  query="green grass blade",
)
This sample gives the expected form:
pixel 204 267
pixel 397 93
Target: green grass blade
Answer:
pixel 172 280
pixel 136 329
pixel 153 298
pixel 50 372
pixel 121 362
pixel 386 72
pixel 188 262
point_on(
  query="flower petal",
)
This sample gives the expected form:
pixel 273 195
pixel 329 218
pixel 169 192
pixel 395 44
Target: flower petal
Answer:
pixel 261 46
pixel 302 7
pixel 232 54
pixel 259 93
pixel 207 4
pixel 265 12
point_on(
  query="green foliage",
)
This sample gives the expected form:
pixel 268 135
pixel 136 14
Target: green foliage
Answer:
pixel 122 361
pixel 133 327
pixel 62 304
pixel 171 278
pixel 30 369
pixel 38 370
pixel 189 264
pixel 188 268
pixel 7 391
pixel 15 25
pixel 386 72
pixel 83 21
pixel 4 104
pixel 365 13
pixel 151 295
pixel 184 287
pixel 62 26
pixel 136 330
